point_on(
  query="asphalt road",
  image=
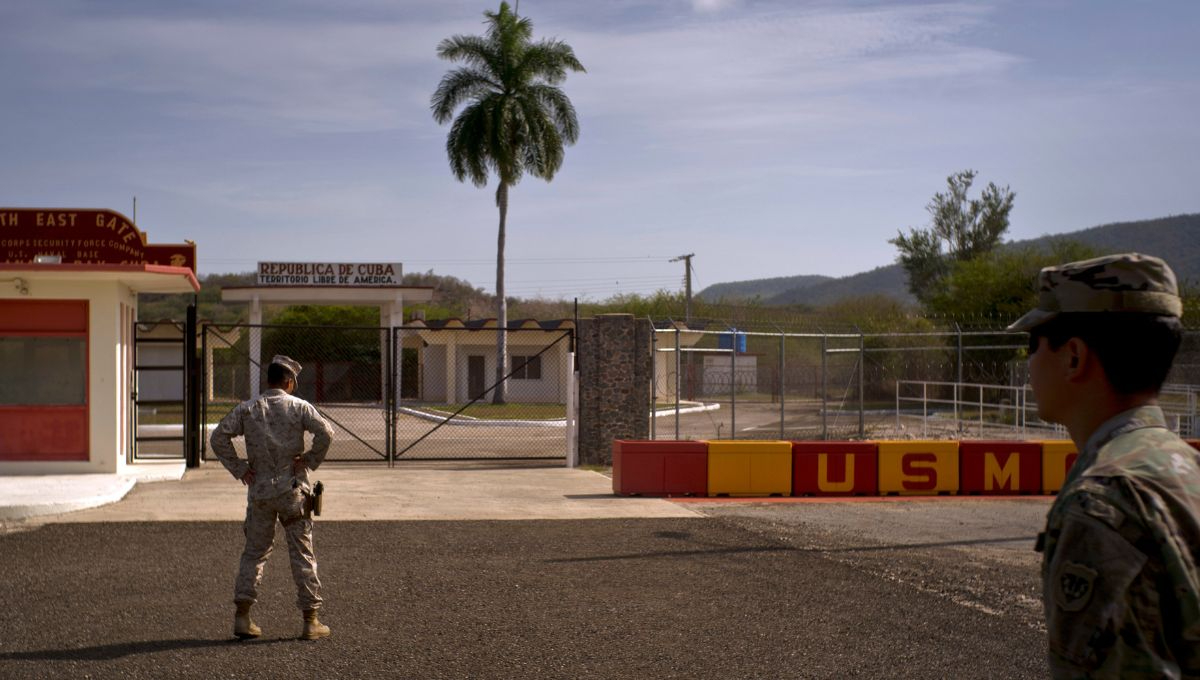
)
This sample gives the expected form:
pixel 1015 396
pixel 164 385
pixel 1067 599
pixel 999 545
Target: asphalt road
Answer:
pixel 760 590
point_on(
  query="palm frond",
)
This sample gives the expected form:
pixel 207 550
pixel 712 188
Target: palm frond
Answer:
pixel 550 60
pixel 555 101
pixel 456 87
pixel 473 51
pixel 466 146
pixel 542 153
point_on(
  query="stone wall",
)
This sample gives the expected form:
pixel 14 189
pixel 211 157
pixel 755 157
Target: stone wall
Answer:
pixel 615 365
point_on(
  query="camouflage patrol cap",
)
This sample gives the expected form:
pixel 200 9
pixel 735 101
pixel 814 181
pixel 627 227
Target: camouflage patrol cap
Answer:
pixel 288 363
pixel 1128 283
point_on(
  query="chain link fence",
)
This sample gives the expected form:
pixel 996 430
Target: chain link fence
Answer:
pixel 738 383
pixel 447 408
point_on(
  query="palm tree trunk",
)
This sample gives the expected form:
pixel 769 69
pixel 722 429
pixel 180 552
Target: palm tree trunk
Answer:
pixel 500 394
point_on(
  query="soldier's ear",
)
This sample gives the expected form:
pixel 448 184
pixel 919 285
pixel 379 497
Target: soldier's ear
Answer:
pixel 1076 355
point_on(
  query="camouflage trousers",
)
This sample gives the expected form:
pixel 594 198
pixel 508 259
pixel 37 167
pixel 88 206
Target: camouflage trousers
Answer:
pixel 261 515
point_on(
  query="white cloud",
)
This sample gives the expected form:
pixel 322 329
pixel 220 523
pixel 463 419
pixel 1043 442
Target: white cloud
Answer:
pixel 712 5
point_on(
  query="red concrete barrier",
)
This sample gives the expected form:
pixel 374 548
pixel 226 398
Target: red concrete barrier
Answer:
pixel 834 468
pixel 1000 467
pixel 660 468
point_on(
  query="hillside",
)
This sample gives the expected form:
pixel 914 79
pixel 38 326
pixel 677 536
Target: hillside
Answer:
pixel 1176 239
pixel 888 280
pixel 761 289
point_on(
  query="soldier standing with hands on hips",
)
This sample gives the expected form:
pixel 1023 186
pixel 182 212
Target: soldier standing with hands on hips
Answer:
pixel 276 472
pixel 1121 547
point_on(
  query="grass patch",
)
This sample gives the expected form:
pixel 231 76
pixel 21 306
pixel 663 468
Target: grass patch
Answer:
pixel 173 415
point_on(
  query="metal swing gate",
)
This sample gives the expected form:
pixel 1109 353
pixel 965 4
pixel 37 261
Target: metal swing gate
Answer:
pixel 162 374
pixel 446 384
pixel 405 393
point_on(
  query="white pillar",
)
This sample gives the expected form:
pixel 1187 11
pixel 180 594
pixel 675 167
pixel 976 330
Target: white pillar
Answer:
pixel 385 347
pixel 572 408
pixel 255 347
pixel 452 368
pixel 396 320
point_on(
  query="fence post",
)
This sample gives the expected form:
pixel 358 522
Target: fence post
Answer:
pixel 391 400
pixel 208 392
pixel 191 419
pixel 824 399
pixel 572 405
pixel 782 341
pixel 653 379
pixel 958 329
pixel 733 383
pixel 924 409
pixel 897 408
pixel 862 369
pixel 678 382
pixel 981 411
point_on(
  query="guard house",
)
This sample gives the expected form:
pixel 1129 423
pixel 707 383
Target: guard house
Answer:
pixel 324 283
pixel 457 359
pixel 69 281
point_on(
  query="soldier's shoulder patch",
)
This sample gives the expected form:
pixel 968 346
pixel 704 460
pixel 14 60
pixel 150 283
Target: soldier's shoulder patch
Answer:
pixel 1074 586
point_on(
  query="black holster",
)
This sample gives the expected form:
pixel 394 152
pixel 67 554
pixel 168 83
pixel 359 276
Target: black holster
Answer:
pixel 312 501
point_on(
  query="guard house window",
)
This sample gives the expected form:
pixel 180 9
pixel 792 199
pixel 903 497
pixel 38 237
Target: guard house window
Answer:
pixel 527 368
pixel 44 380
pixel 38 370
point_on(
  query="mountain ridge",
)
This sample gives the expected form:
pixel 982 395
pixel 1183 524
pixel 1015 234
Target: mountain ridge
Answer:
pixel 1174 238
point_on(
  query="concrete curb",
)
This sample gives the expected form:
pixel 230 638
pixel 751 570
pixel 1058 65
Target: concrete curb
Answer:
pixel 699 408
pixel 468 421
pixel 70 493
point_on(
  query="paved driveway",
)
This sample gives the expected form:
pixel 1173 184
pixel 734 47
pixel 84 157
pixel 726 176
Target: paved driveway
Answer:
pixel 597 586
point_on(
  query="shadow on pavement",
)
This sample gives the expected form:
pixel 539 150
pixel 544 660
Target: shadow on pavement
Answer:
pixel 940 544
pixel 123 649
pixel 780 548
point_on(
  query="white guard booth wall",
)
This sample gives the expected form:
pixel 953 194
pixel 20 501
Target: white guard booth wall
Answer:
pixel 66 359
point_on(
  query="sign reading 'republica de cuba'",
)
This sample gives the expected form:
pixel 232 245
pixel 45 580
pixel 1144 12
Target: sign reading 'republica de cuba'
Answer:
pixel 329 274
pixel 83 237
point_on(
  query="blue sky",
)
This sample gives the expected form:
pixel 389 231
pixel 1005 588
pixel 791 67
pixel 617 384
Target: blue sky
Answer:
pixel 768 138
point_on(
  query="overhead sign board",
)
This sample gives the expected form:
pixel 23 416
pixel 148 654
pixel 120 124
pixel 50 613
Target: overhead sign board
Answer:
pixel 74 236
pixel 329 273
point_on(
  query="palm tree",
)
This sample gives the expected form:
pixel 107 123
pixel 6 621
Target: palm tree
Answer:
pixel 515 120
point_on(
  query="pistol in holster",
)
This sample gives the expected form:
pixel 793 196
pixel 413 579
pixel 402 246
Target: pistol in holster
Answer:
pixel 312 501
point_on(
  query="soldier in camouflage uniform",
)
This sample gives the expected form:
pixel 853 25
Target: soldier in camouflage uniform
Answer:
pixel 1121 547
pixel 276 472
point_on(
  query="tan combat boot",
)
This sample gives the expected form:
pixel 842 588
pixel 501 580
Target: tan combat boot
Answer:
pixel 243 627
pixel 313 629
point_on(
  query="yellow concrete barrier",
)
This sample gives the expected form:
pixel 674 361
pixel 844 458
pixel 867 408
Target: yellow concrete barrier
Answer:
pixel 749 468
pixel 1057 458
pixel 915 468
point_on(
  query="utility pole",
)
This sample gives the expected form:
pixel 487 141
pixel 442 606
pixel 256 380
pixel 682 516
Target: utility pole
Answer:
pixel 687 282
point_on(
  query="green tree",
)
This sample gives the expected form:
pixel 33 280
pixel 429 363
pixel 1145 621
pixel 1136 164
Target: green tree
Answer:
pixel 1002 285
pixel 967 228
pixel 515 119
pixel 992 291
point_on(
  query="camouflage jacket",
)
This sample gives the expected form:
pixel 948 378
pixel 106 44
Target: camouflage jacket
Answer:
pixel 1120 573
pixel 273 425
